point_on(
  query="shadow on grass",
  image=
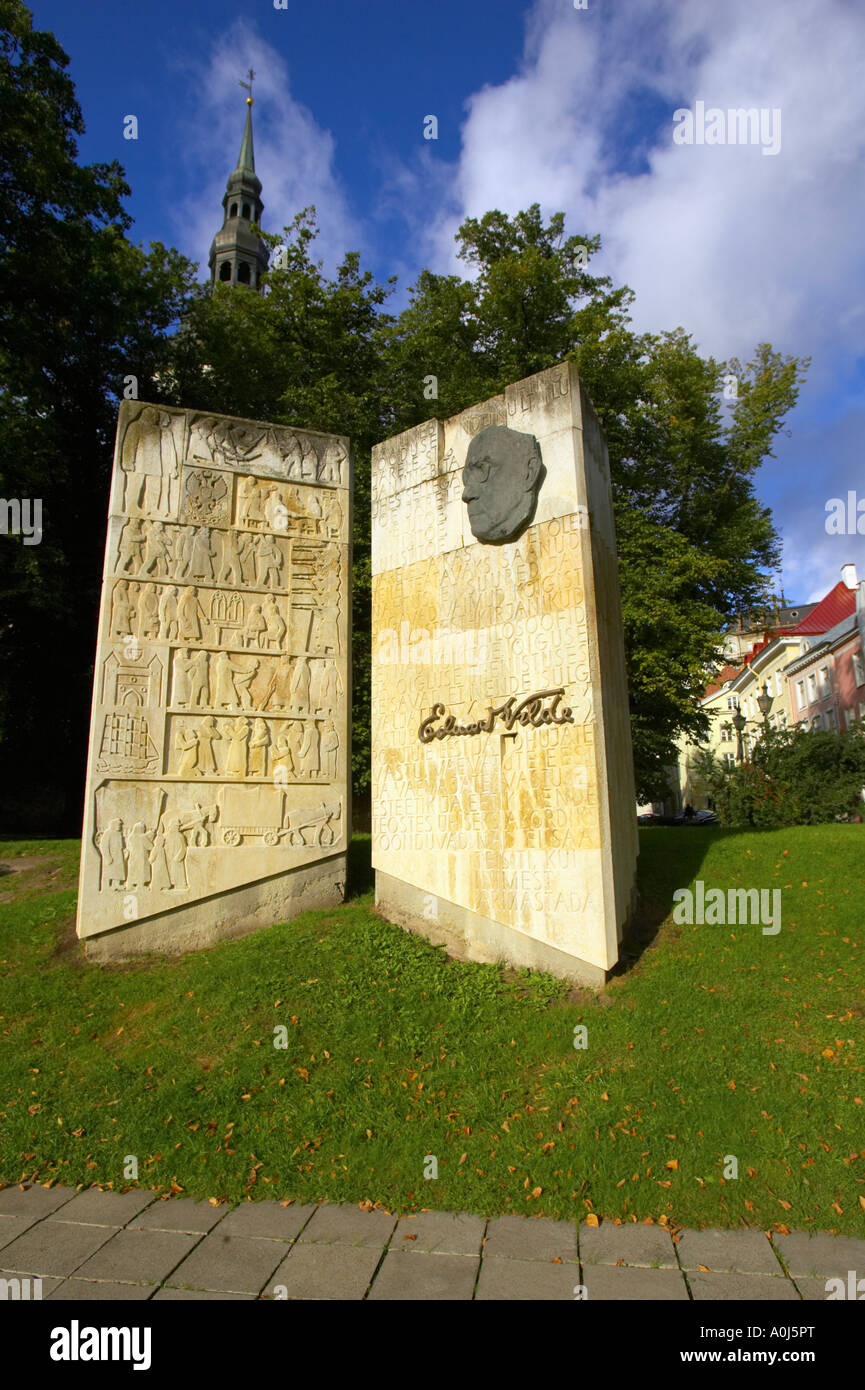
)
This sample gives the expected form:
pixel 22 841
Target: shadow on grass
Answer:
pixel 670 858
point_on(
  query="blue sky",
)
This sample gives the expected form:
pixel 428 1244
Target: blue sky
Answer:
pixel 535 102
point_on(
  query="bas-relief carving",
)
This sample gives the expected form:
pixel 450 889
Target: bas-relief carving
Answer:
pixel 221 669
pixel 505 818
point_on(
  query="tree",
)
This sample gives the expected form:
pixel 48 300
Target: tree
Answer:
pixel 694 541
pixel 794 776
pixel 83 309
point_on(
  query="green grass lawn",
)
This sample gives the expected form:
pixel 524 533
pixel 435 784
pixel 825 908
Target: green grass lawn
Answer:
pixel 714 1041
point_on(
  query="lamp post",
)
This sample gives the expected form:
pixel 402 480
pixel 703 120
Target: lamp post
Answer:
pixel 764 704
pixel 739 724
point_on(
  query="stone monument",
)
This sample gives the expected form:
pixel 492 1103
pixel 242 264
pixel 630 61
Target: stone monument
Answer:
pixel 217 794
pixel 503 807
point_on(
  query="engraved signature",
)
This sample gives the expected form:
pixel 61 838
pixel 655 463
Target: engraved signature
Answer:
pixel 532 709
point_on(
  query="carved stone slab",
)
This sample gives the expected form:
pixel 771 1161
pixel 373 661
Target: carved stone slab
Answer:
pixel 218 773
pixel 503 795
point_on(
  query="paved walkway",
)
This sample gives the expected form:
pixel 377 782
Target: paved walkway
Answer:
pixel 106 1246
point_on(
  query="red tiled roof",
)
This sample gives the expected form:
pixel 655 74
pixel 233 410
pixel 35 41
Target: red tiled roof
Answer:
pixel 726 673
pixel 839 603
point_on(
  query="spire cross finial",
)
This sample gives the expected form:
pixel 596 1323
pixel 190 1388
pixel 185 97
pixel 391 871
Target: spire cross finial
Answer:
pixel 248 86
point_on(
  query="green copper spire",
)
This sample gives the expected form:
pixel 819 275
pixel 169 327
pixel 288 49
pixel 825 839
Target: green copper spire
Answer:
pixel 246 158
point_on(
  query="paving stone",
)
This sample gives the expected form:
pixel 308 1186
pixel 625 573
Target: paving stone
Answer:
pixel 95 1208
pixel 179 1214
pixel 760 1287
pixel 633 1283
pixel 746 1252
pixel 525 1238
pixel 606 1244
pixel 13 1226
pixel 346 1225
pixel 93 1291
pixel 34 1202
pixel 228 1264
pixel 325 1271
pixel 439 1233
pixel 267 1220
pixel 814 1290
pixel 822 1254
pixel 139 1257
pixel 54 1247
pixel 524 1280
pixel 198 1296
pixel 47 1284
pixel 425 1277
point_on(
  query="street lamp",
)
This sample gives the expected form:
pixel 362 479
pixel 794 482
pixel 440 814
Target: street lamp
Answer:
pixel 739 724
pixel 764 704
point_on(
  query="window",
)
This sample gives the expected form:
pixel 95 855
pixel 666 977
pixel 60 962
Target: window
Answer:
pixel 726 733
pixel 858 668
pixel 812 688
pixel 233 211
pixel 243 273
pixel 800 695
pixel 225 270
pixel 829 719
pixel 824 682
pixel 246 211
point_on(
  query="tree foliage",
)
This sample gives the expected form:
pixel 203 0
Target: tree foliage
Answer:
pixel 794 776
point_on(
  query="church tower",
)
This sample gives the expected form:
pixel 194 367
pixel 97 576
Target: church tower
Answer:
pixel 236 256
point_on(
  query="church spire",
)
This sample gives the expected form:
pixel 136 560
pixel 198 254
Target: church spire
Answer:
pixel 236 256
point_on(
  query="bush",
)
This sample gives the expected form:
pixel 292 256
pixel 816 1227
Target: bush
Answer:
pixel 794 776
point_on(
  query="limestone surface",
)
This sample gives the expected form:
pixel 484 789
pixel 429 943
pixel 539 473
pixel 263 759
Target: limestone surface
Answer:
pixel 503 818
pixel 218 774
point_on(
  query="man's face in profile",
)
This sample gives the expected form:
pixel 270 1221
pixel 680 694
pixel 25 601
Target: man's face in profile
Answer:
pixel 501 479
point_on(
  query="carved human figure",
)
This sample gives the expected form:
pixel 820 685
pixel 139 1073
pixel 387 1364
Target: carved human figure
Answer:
pixel 275 510
pixel 130 550
pixel 292 456
pixel 268 561
pixel 243 678
pixel 229 566
pixel 331 687
pixel 148 612
pixel 282 756
pixel 501 479
pixel 182 675
pixel 197 822
pixel 331 467
pixel 160 877
pixel 200 564
pixel 184 537
pixel 275 623
pixel 168 626
pixel 186 744
pixel 224 690
pixel 258 745
pixel 309 751
pixel 237 749
pixel 208 734
pixel 246 554
pixel 121 610
pixel 327 626
pixel 198 679
pixel 112 852
pixel 157 550
pixel 250 504
pixel 140 846
pixel 298 694
pixel 149 461
pixel 335 518
pixel 329 750
pixel 190 616
pixel 279 684
pixel 309 460
pixel 256 628
pixel 175 853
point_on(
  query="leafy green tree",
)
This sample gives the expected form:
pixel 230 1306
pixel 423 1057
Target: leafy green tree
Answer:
pixel 794 776
pixel 694 541
pixel 82 310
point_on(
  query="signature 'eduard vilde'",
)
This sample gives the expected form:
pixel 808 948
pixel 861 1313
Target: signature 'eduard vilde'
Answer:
pixel 531 710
